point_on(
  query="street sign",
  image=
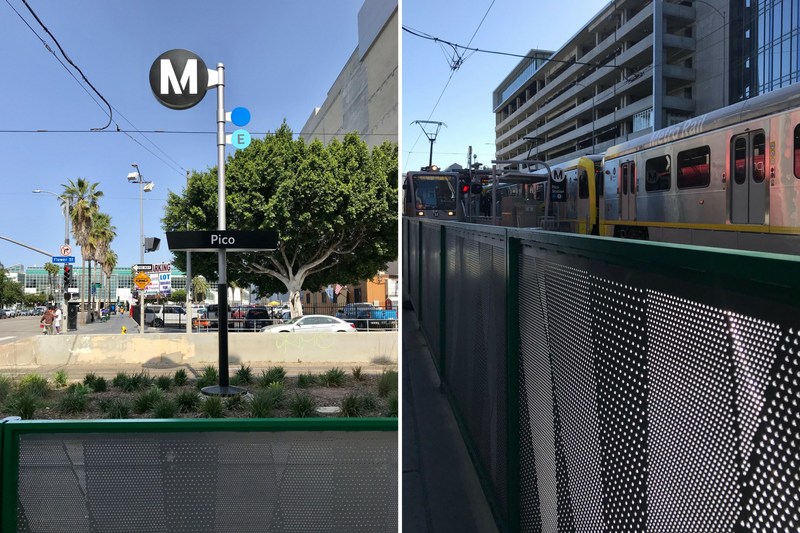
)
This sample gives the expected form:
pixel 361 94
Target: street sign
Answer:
pixel 143 268
pixel 229 240
pixel 62 259
pixel 65 249
pixel 179 79
pixel 141 280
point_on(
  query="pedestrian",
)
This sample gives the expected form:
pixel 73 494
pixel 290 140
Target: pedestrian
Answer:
pixel 57 320
pixel 47 320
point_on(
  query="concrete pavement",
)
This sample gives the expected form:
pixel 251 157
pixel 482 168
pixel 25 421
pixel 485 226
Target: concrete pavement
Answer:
pixel 441 491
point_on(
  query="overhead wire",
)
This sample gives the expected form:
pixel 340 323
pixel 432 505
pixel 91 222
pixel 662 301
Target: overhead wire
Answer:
pixel 453 68
pixel 180 170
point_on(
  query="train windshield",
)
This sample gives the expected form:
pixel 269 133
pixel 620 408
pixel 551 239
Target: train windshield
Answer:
pixel 434 192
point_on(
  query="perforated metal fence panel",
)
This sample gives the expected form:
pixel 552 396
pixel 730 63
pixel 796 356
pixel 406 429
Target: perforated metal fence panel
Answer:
pixel 428 303
pixel 656 386
pixel 211 481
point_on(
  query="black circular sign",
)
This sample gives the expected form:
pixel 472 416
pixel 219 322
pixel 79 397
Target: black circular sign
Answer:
pixel 179 79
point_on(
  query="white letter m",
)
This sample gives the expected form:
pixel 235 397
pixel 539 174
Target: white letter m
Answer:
pixel 189 77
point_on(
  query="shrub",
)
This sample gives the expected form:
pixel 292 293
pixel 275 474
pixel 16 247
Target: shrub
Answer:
pixel 180 377
pixel 306 380
pixel 392 410
pixel 368 402
pixel 271 375
pixel 75 401
pixel 100 385
pixel 351 405
pixel 212 407
pixel 235 402
pixel 164 382
pixel 60 379
pixel 187 401
pixel 209 376
pixel 6 385
pixel 262 404
pixel 146 399
pixel 138 381
pixel 244 376
pixel 89 379
pixel 23 403
pixel 387 383
pixel 116 408
pixel 333 377
pixel 78 388
pixel 276 391
pixel 358 375
pixel 120 380
pixel 165 408
pixel 302 406
pixel 35 385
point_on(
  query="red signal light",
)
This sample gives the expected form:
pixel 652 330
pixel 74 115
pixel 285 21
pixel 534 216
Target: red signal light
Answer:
pixel 464 189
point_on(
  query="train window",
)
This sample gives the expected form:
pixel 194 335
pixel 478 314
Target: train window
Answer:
pixel 797 151
pixel 739 160
pixel 657 174
pixel 623 177
pixel 694 168
pixel 759 157
pixel 583 184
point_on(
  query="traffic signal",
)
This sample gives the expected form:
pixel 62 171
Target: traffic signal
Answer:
pixel 67 276
pixel 464 184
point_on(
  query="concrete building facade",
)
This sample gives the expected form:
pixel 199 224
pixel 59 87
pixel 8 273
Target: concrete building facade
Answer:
pixel 635 67
pixel 364 97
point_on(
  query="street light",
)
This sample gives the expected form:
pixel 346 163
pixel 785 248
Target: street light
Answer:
pixel 66 202
pixel 144 186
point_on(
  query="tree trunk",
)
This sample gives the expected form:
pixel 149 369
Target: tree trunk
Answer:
pixel 295 304
pixel 89 293
pixel 81 284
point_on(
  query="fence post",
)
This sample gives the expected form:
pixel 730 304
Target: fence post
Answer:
pixel 442 303
pixel 513 253
pixel 418 303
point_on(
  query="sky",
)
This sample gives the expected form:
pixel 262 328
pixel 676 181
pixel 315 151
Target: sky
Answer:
pixel 465 103
pixel 280 58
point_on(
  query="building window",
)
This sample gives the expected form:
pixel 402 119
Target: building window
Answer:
pixel 694 168
pixel 657 174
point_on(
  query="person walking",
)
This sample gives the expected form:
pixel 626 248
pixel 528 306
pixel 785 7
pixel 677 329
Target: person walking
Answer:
pixel 47 320
pixel 57 320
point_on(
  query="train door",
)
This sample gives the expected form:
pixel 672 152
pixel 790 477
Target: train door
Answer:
pixel 627 191
pixel 748 187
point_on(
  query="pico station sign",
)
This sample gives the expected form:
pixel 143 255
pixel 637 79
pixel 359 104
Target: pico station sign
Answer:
pixel 228 240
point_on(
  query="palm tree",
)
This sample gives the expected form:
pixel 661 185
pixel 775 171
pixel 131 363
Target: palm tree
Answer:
pixel 199 287
pixel 52 273
pixel 109 264
pixel 100 238
pixel 84 207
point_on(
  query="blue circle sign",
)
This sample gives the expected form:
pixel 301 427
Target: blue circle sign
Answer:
pixel 240 116
pixel 240 139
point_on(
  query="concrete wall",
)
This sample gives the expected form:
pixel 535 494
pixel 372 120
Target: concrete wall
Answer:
pixel 199 349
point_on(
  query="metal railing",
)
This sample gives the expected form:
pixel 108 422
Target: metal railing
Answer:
pixel 200 475
pixel 607 384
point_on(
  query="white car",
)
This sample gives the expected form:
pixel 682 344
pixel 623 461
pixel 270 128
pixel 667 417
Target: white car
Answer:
pixel 312 324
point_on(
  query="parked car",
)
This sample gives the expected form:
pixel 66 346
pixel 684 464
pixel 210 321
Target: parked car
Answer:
pixel 356 311
pixel 164 315
pixel 8 313
pixel 312 324
pixel 257 317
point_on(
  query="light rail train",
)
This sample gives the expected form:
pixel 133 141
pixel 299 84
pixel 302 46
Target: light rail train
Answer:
pixel 729 178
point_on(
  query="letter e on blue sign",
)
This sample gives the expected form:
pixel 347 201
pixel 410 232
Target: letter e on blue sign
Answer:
pixel 240 139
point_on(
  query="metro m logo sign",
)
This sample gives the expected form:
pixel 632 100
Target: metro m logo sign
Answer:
pixel 170 80
pixel 179 79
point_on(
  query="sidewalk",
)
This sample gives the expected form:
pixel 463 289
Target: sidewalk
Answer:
pixel 441 491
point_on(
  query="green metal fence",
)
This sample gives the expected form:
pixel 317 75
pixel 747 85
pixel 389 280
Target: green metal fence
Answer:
pixel 605 384
pixel 200 475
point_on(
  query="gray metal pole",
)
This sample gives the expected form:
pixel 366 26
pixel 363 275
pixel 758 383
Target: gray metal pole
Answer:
pixel 141 248
pixel 188 276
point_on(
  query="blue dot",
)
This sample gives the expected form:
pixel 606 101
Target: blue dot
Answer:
pixel 240 116
pixel 240 139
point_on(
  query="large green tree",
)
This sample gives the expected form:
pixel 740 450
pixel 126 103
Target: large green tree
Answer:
pixel 334 207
